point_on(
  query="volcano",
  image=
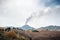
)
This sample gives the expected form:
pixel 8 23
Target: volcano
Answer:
pixel 27 27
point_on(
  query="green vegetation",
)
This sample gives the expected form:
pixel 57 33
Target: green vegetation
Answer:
pixel 35 31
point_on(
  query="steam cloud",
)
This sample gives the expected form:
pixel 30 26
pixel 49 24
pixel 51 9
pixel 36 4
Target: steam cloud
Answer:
pixel 37 14
pixel 46 3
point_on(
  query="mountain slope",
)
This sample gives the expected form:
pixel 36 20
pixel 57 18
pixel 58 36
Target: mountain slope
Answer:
pixel 51 27
pixel 27 27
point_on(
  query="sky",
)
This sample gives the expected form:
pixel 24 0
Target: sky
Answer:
pixel 37 13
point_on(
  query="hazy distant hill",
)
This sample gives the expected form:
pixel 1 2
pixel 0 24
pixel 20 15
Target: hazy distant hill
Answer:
pixel 51 27
pixel 27 27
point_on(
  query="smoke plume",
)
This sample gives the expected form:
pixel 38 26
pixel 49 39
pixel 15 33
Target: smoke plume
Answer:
pixel 37 14
pixel 28 20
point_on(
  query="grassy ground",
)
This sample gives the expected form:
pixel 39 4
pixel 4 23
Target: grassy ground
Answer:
pixel 41 35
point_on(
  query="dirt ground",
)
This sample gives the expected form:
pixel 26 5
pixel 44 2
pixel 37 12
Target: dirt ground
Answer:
pixel 46 35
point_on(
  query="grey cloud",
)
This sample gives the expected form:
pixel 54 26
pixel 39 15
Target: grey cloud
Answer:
pixel 48 3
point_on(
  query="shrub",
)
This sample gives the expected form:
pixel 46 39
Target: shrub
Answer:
pixel 35 31
pixel 11 34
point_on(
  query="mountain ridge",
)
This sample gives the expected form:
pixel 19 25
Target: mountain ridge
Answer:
pixel 50 27
pixel 27 27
